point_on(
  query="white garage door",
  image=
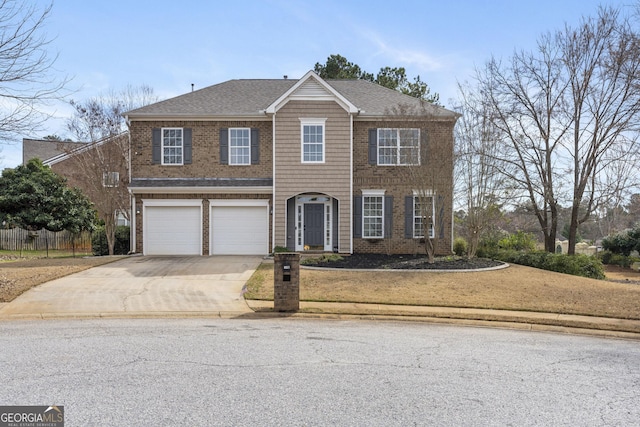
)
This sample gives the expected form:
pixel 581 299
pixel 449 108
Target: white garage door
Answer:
pixel 172 230
pixel 239 230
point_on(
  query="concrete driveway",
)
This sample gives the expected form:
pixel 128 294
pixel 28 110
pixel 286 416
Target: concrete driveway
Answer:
pixel 143 287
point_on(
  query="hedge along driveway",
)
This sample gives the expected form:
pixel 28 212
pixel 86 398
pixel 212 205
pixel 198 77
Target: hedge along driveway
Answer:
pixel 513 288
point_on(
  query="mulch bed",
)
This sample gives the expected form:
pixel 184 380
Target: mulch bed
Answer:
pixel 407 262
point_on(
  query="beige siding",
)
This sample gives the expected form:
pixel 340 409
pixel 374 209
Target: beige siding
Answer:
pixel 333 177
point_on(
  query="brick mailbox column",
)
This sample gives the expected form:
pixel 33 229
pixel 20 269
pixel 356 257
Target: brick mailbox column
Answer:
pixel 286 282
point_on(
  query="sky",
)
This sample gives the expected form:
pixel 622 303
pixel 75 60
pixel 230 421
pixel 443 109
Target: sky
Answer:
pixel 105 45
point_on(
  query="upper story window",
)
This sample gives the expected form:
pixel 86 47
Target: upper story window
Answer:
pixel 312 140
pixel 239 146
pixel 398 146
pixel 110 179
pixel 172 146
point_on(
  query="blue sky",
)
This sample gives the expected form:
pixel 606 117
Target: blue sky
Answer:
pixel 107 44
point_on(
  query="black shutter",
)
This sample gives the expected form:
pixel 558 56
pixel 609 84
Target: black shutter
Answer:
pixel 224 146
pixel 335 225
pixel 291 224
pixel 388 216
pixel 373 146
pixel 156 146
pixel 408 217
pixel 255 146
pixel 357 216
pixel 441 216
pixel 188 151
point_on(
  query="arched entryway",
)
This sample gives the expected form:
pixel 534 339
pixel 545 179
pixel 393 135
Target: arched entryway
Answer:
pixel 312 223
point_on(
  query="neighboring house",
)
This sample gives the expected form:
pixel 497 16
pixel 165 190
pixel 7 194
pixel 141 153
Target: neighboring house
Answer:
pixel 311 165
pixel 45 149
pixel 97 169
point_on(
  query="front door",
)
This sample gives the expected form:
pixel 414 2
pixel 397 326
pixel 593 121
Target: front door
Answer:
pixel 314 226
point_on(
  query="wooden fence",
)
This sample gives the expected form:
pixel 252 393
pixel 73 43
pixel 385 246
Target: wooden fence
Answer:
pixel 17 239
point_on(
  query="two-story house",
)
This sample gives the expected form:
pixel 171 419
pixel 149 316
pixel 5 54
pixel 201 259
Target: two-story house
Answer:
pixel 244 166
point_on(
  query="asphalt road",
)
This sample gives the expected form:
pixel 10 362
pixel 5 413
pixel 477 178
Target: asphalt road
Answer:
pixel 292 372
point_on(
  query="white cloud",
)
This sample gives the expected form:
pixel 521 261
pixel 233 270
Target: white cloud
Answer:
pixel 394 54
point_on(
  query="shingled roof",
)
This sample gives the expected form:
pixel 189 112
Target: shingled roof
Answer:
pixel 251 97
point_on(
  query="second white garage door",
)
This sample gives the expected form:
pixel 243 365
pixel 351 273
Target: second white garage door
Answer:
pixel 239 230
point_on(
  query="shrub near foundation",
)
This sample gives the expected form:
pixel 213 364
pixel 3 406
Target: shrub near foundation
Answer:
pixel 460 246
pixel 99 241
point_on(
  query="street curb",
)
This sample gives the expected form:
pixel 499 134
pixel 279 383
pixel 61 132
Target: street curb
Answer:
pixel 127 315
pixel 485 317
pixel 498 324
pixel 526 321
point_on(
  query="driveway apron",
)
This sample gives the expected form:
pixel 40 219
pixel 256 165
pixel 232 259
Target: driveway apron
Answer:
pixel 144 286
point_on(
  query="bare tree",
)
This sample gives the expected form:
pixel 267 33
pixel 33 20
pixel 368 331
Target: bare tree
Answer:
pixel 478 168
pixel 102 116
pixel 427 166
pixel 101 168
pixel 566 112
pixel 26 80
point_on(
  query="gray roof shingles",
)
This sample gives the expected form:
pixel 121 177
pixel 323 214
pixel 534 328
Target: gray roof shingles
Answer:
pixel 250 97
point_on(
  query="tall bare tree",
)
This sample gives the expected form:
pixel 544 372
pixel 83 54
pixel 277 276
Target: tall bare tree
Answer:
pixel 478 168
pixel 26 80
pixel 101 168
pixel 567 113
pixel 427 167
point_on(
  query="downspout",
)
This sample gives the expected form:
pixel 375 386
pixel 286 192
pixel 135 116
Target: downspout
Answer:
pixel 350 186
pixel 273 178
pixel 132 199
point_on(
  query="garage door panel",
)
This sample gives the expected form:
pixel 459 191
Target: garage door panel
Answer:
pixel 240 230
pixel 173 230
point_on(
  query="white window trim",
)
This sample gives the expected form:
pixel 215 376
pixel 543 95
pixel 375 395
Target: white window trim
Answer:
pixel 110 179
pixel 181 147
pixel 312 122
pixel 230 157
pixel 397 148
pixel 373 193
pixel 432 231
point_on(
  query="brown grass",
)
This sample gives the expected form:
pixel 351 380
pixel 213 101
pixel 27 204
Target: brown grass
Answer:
pixel 514 288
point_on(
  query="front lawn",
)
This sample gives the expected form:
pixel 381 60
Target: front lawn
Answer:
pixel 513 288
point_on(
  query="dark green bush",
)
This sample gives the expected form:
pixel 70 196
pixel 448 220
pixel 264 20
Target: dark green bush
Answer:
pixel 577 265
pixel 624 242
pixel 99 241
pixel 610 258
